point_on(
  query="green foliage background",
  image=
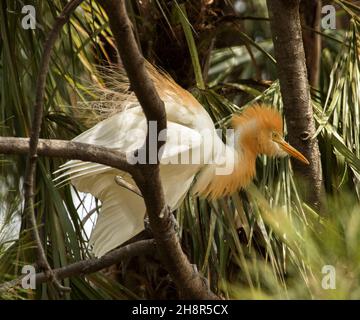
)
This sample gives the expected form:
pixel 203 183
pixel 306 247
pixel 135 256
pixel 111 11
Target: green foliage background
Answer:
pixel 261 243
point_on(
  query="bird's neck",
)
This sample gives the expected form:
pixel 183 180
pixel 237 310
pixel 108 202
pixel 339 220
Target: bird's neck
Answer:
pixel 233 172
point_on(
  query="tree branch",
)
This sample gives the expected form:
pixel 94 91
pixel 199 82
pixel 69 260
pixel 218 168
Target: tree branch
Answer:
pixel 139 248
pixel 30 171
pixel 290 56
pixel 147 177
pixel 80 268
pixel 310 15
pixel 68 150
pixel 148 180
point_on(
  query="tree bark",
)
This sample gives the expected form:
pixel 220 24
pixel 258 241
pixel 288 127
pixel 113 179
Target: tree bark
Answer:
pixel 147 177
pixel 310 14
pixel 68 150
pixel 292 73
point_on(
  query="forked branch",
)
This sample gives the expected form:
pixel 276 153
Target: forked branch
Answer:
pixel 147 177
pixel 188 280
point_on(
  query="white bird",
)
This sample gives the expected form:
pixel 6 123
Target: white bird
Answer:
pixel 192 150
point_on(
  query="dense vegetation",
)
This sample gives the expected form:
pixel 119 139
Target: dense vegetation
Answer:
pixel 263 242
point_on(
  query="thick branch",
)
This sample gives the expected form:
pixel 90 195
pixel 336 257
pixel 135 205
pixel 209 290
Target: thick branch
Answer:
pixel 30 172
pixel 134 64
pixel 161 220
pixel 68 150
pixel 310 14
pixel 290 56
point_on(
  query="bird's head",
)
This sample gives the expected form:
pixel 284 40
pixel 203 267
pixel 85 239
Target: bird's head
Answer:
pixel 259 129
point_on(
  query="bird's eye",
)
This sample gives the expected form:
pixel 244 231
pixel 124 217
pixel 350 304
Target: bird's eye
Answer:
pixel 276 136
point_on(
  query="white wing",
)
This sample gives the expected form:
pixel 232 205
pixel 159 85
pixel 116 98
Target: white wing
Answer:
pixel 123 211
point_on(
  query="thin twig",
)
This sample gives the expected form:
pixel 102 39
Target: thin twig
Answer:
pixel 80 268
pixel 88 215
pixel 29 178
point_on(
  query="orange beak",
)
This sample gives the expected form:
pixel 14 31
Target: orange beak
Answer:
pixel 291 150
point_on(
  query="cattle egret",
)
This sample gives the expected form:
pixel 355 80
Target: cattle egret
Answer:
pixel 193 152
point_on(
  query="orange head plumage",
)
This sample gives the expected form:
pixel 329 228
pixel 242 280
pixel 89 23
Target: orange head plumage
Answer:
pixel 259 130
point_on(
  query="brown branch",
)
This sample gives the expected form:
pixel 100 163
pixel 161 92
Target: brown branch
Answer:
pixel 139 248
pixel 310 15
pixel 291 67
pixel 148 180
pixel 80 268
pixel 68 150
pixel 30 171
pixel 134 64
